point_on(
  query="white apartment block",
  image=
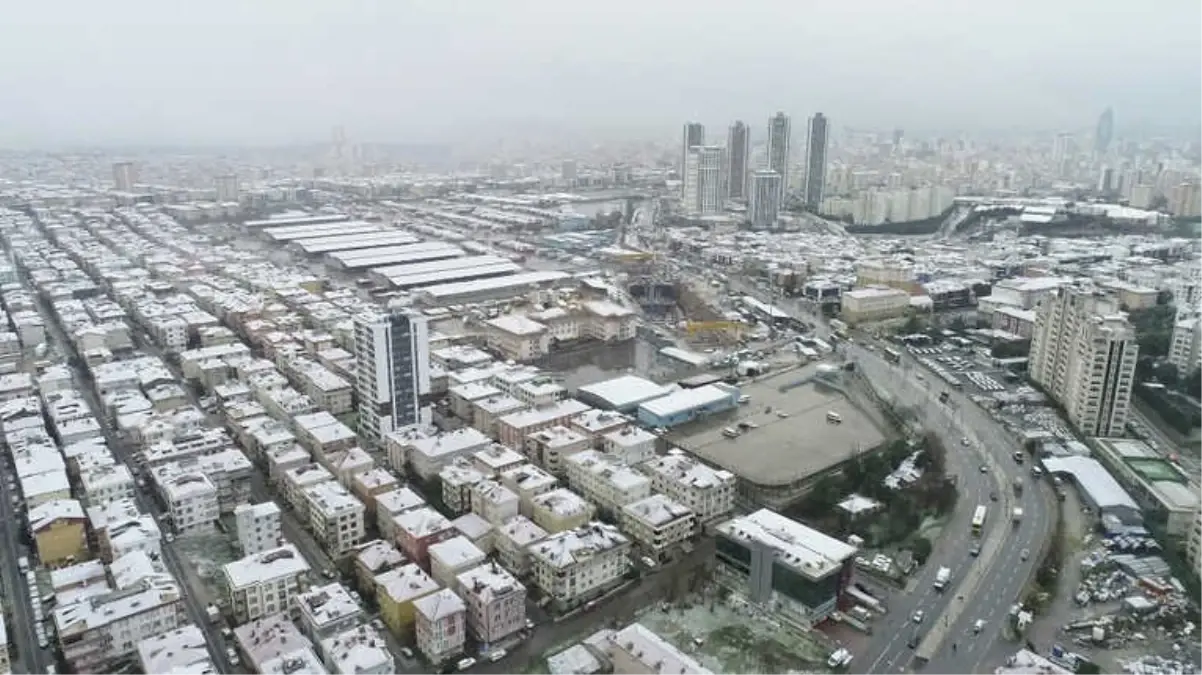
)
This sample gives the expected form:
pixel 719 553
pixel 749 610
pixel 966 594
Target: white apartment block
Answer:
pixel 496 459
pixel 605 480
pixel 527 482
pixel 636 649
pixel 709 493
pixel 513 429
pixel 549 447
pixel 392 359
pixel 191 500
pixel 1185 349
pixel 358 651
pixel 560 510
pixel 427 451
pixel 451 557
pixel 1193 543
pixel 98 630
pixel 486 411
pixel 457 479
pixel 105 484
pixel 657 524
pixel 517 337
pixel 326 611
pixel 300 478
pixel 392 504
pixel 512 542
pixel 597 423
pixel 1083 353
pixel 496 602
pixel 264 583
pixel 576 566
pixel 441 625
pixel 702 180
pixel 494 502
pixel 257 526
pixel 609 321
pixel 631 445
pixel 182 650
pixel 336 518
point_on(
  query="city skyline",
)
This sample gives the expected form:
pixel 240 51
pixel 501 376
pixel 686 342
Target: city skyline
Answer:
pixel 125 66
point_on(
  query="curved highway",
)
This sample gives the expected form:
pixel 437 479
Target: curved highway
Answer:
pixel 982 588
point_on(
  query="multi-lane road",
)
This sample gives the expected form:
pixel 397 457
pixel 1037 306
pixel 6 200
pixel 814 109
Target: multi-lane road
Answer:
pixel 30 658
pixel 983 588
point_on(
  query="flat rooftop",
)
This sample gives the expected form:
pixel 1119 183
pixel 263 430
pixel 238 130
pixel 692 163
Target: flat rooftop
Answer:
pixel 782 450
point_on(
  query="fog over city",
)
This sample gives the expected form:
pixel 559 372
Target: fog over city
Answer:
pixel 275 71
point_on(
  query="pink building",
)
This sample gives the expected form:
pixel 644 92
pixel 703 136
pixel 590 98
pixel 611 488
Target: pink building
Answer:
pixel 441 625
pixel 418 529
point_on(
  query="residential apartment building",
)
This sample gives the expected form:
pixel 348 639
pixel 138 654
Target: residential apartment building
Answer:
pixel 392 356
pixel 191 500
pixel 495 600
pixel 703 180
pixel 396 591
pixel 257 526
pixel 1185 348
pixel 657 525
pixel 59 532
pixel 99 630
pixel 576 566
pixel 494 502
pixel 1193 543
pixel 326 611
pixel 336 518
pixel 527 482
pixel 264 583
pixel 636 649
pixel 605 480
pixel 512 430
pixel 418 529
pixel 512 542
pixel 452 557
pixel 1083 354
pixel 392 504
pixel 441 625
pixel 457 480
pixel 550 446
pixel 560 510
pixel 709 493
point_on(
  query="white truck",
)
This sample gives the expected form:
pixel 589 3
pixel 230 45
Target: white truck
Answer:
pixel 942 577
pixel 1017 515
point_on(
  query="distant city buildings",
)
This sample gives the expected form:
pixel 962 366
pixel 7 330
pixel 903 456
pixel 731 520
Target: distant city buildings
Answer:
pixel 125 176
pixel 1105 132
pixel 764 204
pixel 817 145
pixel 738 158
pixel 703 180
pixel 227 188
pixel 692 136
pixel 779 129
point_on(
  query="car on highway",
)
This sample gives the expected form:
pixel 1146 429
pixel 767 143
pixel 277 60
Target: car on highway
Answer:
pixel 993 496
pixel 978 626
pixel 975 550
pixel 1026 553
pixel 918 616
pixel 965 441
pixel 914 640
pixel 984 469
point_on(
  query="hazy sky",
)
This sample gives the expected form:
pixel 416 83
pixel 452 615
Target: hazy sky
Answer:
pixel 268 71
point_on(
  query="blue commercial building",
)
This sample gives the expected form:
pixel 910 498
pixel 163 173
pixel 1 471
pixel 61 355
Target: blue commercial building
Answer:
pixel 686 405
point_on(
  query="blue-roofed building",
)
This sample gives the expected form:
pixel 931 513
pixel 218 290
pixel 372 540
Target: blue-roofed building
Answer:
pixel 687 405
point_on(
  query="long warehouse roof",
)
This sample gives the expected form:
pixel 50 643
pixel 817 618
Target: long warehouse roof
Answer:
pixel 297 220
pixel 349 256
pixel 418 253
pixel 311 231
pixel 450 276
pixel 438 293
pixel 438 265
pixel 350 242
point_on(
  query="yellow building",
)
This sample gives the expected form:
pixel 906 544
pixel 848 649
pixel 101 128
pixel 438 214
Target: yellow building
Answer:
pixel 58 529
pixel 395 591
pixel 561 510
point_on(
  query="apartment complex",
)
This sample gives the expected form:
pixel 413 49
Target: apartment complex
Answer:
pixel 709 493
pixel 575 566
pixel 441 625
pixel 265 583
pixel 392 357
pixel 496 602
pixel 257 526
pixel 1083 353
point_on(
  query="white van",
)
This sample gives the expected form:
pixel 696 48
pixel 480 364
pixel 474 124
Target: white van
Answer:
pixel 834 417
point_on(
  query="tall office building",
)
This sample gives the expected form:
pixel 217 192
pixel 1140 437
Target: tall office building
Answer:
pixel 125 176
pixel 1062 154
pixel 738 158
pixel 693 136
pixel 817 144
pixel 1083 354
pixel 1105 132
pixel 778 148
pixel 227 188
pixel 392 360
pixel 568 171
pixel 764 192
pixel 703 180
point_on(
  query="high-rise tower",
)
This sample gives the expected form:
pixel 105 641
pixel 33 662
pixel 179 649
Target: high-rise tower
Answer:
pixel 392 361
pixel 703 180
pixel 692 136
pixel 1105 132
pixel 738 157
pixel 817 144
pixel 779 128
pixel 125 176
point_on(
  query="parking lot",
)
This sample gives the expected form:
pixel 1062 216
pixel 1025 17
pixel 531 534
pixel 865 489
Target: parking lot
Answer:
pixel 959 367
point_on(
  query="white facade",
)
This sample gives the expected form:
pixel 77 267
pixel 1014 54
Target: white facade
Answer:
pixel 392 357
pixel 708 492
pixel 631 445
pixel 258 527
pixel 494 502
pixel 336 518
pixel 513 541
pixel 703 180
pixel 102 628
pixel 265 583
pixel 605 480
pixel 326 611
pixel 573 567
pixel 550 446
pixel 763 206
pixel 452 557
pixel 1185 350
pixel 1083 353
pixel 191 500
pixel 657 523
pixel 779 142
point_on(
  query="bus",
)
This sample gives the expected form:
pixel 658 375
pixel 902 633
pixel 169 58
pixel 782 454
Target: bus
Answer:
pixel 892 355
pixel 978 520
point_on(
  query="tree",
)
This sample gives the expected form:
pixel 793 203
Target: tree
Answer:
pixel 1193 383
pixel 921 549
